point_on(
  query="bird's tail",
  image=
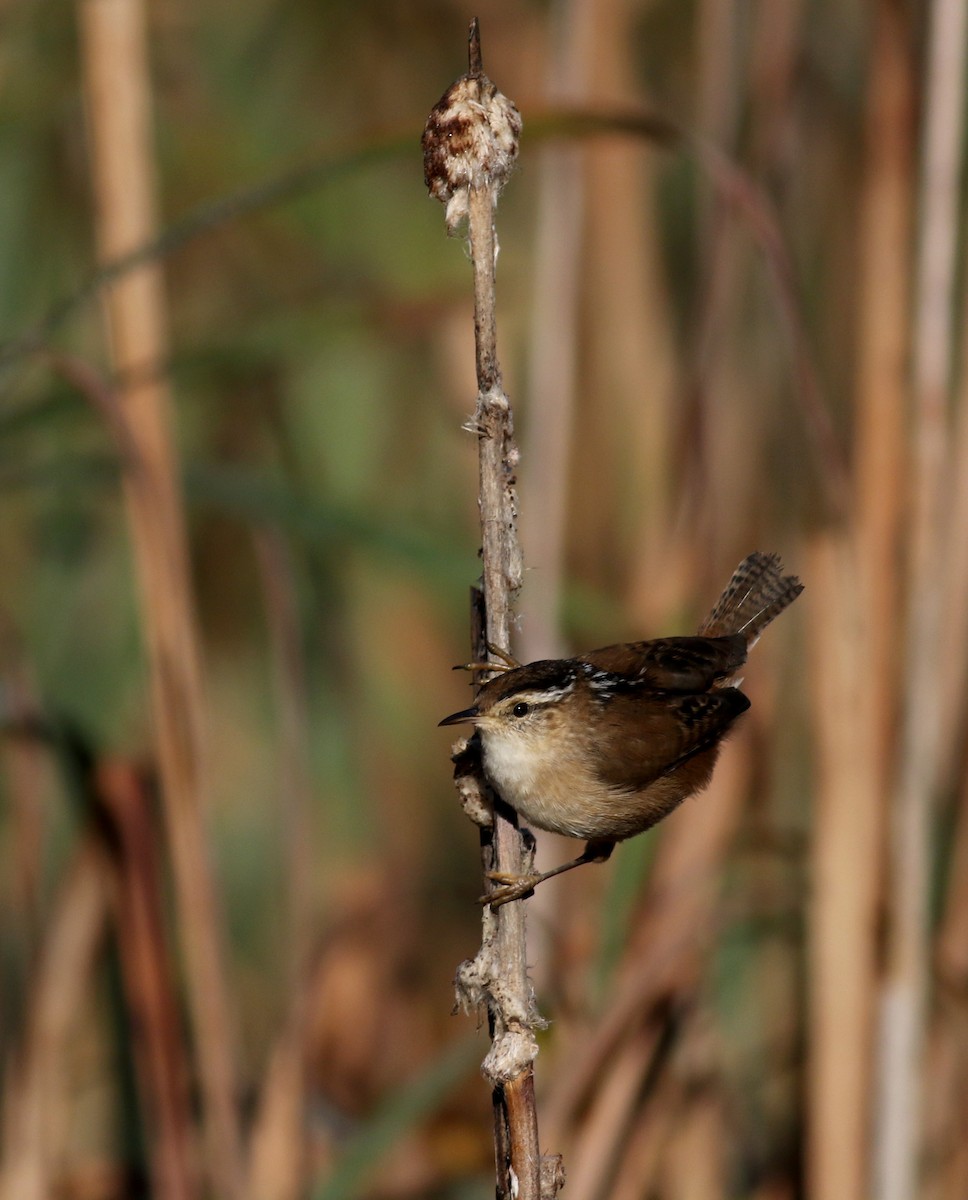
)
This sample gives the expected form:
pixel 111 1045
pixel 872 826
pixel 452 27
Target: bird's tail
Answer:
pixel 758 592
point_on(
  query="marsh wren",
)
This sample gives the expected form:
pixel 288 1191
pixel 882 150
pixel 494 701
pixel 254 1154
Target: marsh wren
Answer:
pixel 604 745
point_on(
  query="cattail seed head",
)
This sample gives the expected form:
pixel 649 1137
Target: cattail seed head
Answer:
pixel 470 140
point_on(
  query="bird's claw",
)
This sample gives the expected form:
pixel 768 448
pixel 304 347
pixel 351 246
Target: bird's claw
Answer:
pixel 516 887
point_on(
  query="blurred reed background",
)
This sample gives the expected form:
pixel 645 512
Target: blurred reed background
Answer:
pixel 238 531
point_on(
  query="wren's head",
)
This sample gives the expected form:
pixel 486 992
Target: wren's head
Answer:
pixel 528 729
pixel 522 705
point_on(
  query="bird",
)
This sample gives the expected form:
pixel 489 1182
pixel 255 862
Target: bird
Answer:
pixel 602 746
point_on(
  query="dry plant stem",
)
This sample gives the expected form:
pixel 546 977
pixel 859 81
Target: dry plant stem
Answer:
pixel 290 687
pixel 278 1143
pixel 470 142
pixel 23 764
pixel 35 1118
pixel 854 635
pixel 552 373
pixel 845 859
pixel 501 558
pixel 904 1007
pixel 122 794
pixel 883 335
pixel 113 45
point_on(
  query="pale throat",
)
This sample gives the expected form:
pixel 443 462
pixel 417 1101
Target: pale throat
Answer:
pixel 540 776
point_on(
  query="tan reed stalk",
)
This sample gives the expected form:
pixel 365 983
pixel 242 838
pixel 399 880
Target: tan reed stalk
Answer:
pixel 114 52
pixel 904 999
pixel 696 1165
pixel 845 856
pixel 554 343
pixel 630 364
pixel 885 227
pixel 36 1119
pixel 854 635
pixel 946 1119
pixel 278 1159
pixel 278 1155
pixel 954 584
pixel 952 939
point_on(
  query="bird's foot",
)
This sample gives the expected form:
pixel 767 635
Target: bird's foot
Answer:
pixel 515 887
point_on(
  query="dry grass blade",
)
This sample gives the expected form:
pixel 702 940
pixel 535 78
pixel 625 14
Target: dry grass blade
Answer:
pixel 118 93
pixel 35 1112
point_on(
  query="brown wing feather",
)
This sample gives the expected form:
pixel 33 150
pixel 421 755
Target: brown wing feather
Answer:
pixel 676 664
pixel 644 736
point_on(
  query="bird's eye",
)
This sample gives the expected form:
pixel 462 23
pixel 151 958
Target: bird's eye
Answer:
pixel 520 709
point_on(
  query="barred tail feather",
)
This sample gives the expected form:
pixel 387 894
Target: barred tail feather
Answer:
pixel 757 593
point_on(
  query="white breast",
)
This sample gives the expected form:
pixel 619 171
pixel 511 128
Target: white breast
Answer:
pixel 547 791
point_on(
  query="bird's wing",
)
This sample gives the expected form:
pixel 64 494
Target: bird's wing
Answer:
pixel 676 664
pixel 646 736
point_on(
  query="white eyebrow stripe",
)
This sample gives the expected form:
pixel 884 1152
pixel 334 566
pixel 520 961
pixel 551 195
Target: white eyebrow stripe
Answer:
pixel 540 696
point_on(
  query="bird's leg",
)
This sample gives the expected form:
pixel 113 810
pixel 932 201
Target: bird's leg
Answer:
pixel 516 887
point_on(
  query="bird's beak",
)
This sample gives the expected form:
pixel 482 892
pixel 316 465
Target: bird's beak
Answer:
pixel 469 714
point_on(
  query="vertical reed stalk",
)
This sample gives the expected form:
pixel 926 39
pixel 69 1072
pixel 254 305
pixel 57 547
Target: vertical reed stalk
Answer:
pixel 854 634
pixel 123 796
pixel 885 228
pixel 553 383
pixel 514 1075
pixel 845 860
pixel 470 143
pixel 628 354
pixel 904 1003
pixel 113 45
pixel 278 1141
pixel 35 1113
